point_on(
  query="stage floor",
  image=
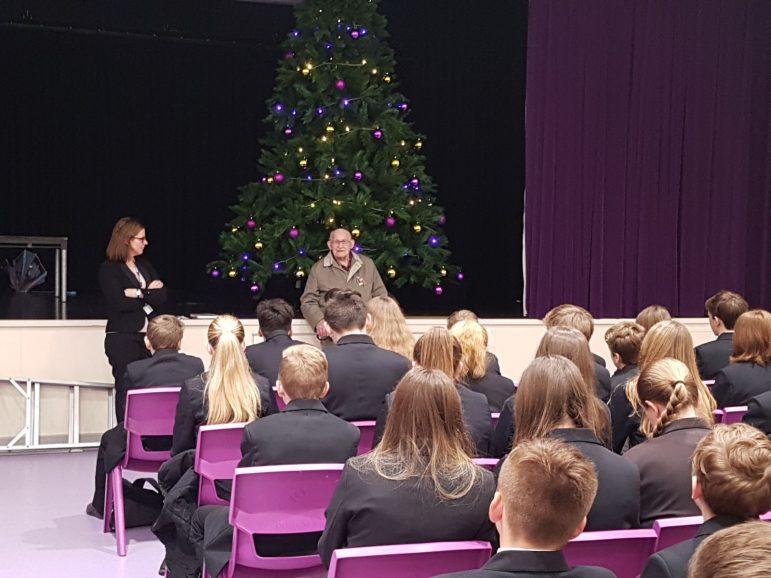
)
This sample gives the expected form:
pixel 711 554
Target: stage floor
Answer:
pixel 44 530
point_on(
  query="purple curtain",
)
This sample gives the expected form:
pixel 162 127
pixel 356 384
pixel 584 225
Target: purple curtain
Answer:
pixel 648 160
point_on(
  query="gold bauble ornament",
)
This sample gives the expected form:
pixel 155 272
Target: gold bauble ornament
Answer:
pixel 386 79
pixel 355 233
pixel 391 273
pixel 303 163
pixel 443 272
pixel 234 230
pixel 395 163
pixel 258 245
pixel 417 228
pixel 300 274
pixel 419 145
pixel 232 274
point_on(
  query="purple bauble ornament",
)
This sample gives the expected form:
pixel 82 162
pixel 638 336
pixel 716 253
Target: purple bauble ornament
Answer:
pixel 288 131
pixel 279 178
pixel 377 133
pixel 251 223
pixel 215 273
pixel 294 232
pixel 459 276
pixel 441 220
pixel 340 84
pixel 415 183
pixel 403 106
pixel 254 288
pixel 354 34
pixel 390 221
pixel 438 290
pixel 358 175
pixel 290 54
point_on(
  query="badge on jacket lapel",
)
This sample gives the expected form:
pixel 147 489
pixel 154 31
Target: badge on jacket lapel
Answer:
pixel 359 281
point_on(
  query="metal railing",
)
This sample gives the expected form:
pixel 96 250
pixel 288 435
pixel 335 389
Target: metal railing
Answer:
pixel 29 436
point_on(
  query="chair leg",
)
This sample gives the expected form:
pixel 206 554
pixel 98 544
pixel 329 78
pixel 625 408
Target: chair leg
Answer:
pixel 108 504
pixel 116 479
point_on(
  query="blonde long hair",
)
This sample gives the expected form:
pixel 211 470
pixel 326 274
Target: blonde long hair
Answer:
pixel 230 391
pixel 437 348
pixel 387 326
pixel 672 339
pixel 473 343
pixel 425 437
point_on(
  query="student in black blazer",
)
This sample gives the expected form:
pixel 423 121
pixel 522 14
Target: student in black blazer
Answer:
pixel 624 340
pixel 730 487
pixel 553 400
pixel 166 367
pixel 668 394
pixel 360 372
pixel 419 484
pixel 723 309
pixel 275 317
pixel 439 349
pixel 544 492
pixel 503 434
pixel 303 433
pixel 132 292
pixel 749 373
pixel 759 413
pixel 232 392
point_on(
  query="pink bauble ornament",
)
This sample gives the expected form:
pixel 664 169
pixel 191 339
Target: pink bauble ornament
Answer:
pixel 390 221
pixel 438 290
pixel 358 175
pixel 294 232
pixel 279 178
pixel 340 84
pixel 251 223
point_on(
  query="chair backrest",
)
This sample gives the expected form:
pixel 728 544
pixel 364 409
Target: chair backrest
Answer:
pixel 367 438
pixel 734 414
pixel 149 412
pixel 495 416
pixel 280 404
pixel 766 516
pixel 621 551
pixel 718 414
pixel 408 560
pixel 487 463
pixel 671 531
pixel 288 499
pixel 216 457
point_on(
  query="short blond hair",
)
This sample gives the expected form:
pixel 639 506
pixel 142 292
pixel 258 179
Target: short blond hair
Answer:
pixel 741 551
pixel 165 332
pixel 651 315
pixel 568 315
pixel 625 338
pixel 461 315
pixel 733 466
pixel 547 488
pixel 303 372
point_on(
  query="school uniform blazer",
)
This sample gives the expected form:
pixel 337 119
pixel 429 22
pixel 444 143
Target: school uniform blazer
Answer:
pixel 713 356
pixel 191 410
pixel 759 413
pixel 528 564
pixel 503 435
pixel 603 382
pixel 476 416
pixel 672 562
pixel 165 367
pixel 599 360
pixel 617 504
pixel 664 463
pixel 360 376
pixel 737 383
pixel 496 388
pixel 623 423
pixel 368 510
pixel 126 314
pixel 265 358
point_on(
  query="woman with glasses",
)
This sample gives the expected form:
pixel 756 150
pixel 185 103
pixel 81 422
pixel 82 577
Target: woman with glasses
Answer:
pixel 132 292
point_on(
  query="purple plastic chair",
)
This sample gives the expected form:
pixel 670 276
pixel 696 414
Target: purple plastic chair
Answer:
pixel 278 500
pixel 621 551
pixel 367 438
pixel 149 412
pixel 734 414
pixel 487 463
pixel 718 414
pixel 279 400
pixel 408 560
pixel 216 457
pixel 766 516
pixel 672 531
pixel 494 417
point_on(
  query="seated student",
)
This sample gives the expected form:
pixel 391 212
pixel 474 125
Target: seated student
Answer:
pixel 553 400
pixel 468 315
pixel 275 317
pixel 737 552
pixel 360 372
pixel 570 343
pixel 759 413
pixel 420 483
pixel 624 340
pixel 544 492
pixel 666 395
pixel 651 315
pixel 475 374
pixel 387 326
pixel 579 318
pixel 749 373
pixel 731 484
pixel 438 349
pixel 303 433
pixel 228 393
pixel 166 367
pixel 723 309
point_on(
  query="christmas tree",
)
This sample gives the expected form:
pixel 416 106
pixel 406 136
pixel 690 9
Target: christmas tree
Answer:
pixel 340 153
